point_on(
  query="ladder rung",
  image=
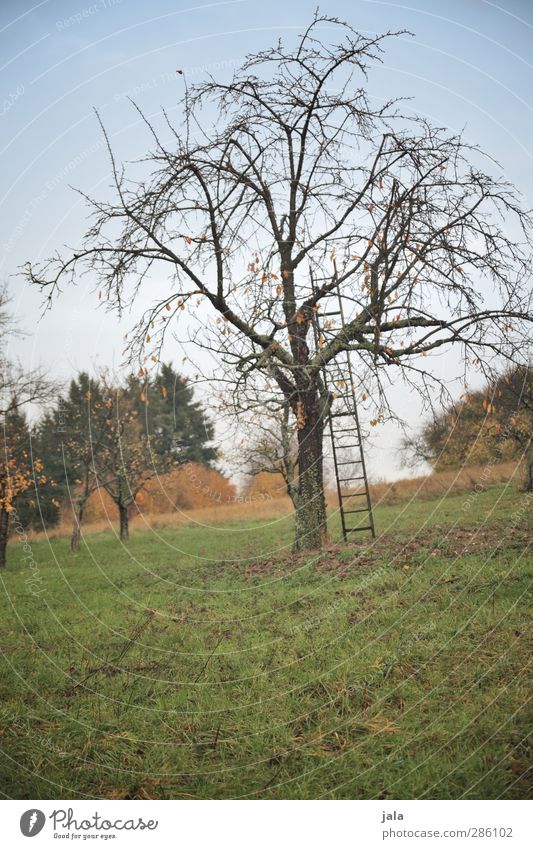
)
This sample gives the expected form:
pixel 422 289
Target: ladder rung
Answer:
pixel 347 447
pixel 339 415
pixel 361 528
pixel 359 510
pixel 348 463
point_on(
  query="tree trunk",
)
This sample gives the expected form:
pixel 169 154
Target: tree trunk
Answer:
pixel 311 519
pixel 124 522
pixel 76 530
pixel 4 532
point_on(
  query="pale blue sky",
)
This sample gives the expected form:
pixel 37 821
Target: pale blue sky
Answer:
pixel 468 66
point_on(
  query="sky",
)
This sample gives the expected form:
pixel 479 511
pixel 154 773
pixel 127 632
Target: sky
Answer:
pixel 467 66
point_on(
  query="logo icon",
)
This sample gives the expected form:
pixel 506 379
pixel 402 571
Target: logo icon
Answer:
pixel 32 822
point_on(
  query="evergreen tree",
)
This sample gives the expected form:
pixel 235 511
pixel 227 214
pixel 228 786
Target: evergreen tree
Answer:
pixel 168 412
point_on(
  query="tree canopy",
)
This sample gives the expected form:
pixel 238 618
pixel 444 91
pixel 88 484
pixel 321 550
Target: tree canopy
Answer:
pixel 301 187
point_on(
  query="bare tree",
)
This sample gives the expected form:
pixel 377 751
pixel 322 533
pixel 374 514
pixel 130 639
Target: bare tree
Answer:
pixel 127 458
pixel 267 440
pixel 18 386
pixel 296 186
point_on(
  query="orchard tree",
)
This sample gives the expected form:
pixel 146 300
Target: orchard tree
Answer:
pixel 71 435
pixel 128 458
pixel 20 471
pixel 291 183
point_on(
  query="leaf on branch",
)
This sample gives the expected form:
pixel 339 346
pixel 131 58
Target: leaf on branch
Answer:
pixel 300 416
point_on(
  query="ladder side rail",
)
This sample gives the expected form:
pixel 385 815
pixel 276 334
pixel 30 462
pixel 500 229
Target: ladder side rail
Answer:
pixel 358 427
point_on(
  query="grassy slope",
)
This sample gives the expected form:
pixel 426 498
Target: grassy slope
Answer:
pixel 209 663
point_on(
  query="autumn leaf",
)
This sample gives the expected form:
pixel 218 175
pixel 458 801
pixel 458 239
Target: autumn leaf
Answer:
pixel 300 416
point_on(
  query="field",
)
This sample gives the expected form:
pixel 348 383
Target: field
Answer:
pixel 206 661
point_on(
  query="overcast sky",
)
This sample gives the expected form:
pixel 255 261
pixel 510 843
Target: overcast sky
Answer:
pixel 466 68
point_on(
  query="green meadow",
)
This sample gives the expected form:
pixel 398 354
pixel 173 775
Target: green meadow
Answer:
pixel 210 662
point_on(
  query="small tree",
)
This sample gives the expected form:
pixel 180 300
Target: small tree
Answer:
pixel 71 434
pixel 300 188
pixel 268 444
pixel 127 457
pixel 19 470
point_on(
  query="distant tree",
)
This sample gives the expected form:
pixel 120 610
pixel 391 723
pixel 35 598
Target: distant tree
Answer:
pixel 128 457
pixel 20 471
pixel 304 186
pixel 494 422
pixel 70 436
pixel 268 444
pixel 167 411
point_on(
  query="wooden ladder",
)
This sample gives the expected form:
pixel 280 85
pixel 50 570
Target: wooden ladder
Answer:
pixel 345 432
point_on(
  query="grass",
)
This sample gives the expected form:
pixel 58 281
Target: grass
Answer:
pixel 208 662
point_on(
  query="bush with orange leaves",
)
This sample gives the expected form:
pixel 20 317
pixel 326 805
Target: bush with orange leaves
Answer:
pixel 188 487
pixel 18 472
